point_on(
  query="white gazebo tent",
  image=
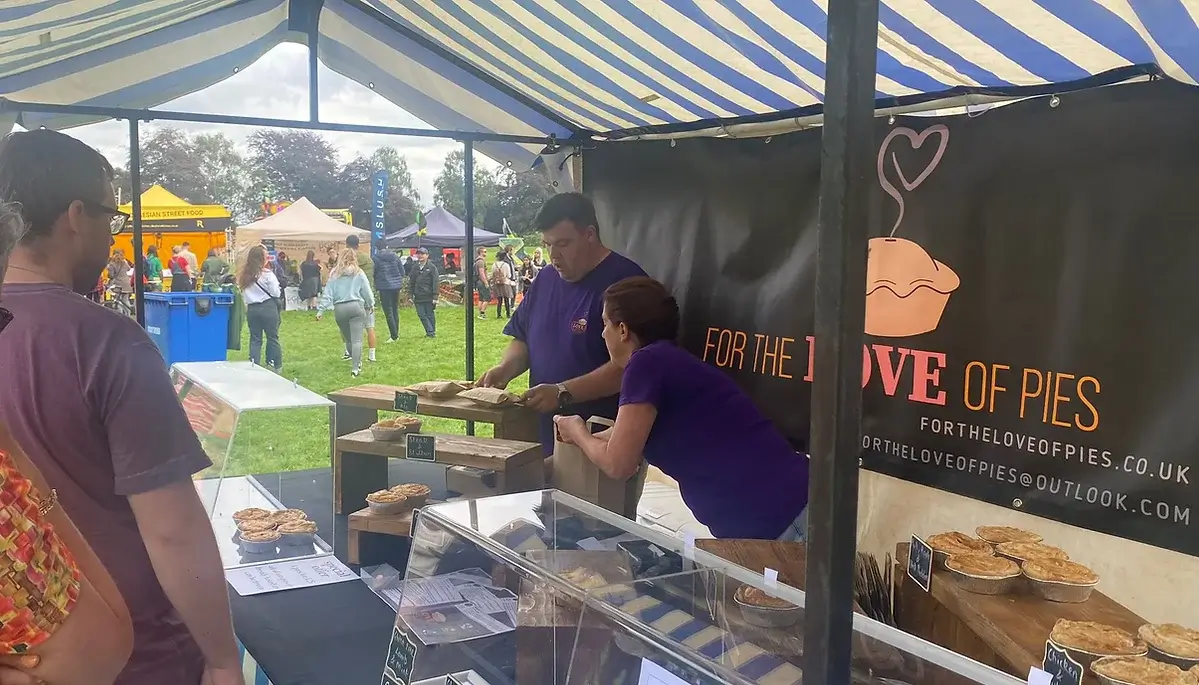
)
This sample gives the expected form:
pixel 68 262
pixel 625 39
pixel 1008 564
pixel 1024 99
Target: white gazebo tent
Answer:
pixel 298 228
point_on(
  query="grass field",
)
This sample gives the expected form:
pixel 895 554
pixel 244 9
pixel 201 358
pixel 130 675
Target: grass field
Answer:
pixel 291 440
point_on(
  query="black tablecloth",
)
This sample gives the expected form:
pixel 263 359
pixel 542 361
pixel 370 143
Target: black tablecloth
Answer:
pixel 332 634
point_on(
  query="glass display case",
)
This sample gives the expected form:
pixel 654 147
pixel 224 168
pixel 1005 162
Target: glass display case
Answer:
pixel 542 587
pixel 247 419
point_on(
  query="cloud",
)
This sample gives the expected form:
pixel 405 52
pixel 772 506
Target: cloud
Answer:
pixel 276 86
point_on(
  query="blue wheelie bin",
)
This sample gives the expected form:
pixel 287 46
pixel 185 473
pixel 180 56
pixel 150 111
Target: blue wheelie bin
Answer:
pixel 189 327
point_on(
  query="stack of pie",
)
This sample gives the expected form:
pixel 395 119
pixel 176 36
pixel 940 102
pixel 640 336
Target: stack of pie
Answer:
pixel 260 530
pixel 415 494
pixel 1139 670
pixel 1173 643
pixel 945 545
pixel 1088 640
pixel 997 535
pixel 251 514
pixel 386 502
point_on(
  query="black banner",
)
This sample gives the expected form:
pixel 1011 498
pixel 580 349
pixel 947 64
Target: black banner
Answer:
pixel 1031 336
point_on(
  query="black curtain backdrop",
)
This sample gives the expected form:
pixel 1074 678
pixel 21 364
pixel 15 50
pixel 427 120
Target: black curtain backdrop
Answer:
pixel 1031 327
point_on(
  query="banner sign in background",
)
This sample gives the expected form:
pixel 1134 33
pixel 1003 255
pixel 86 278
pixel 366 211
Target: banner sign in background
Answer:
pixel 378 205
pixel 1030 328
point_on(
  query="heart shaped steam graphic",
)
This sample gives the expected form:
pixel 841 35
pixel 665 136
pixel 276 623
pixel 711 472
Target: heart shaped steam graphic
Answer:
pixel 917 139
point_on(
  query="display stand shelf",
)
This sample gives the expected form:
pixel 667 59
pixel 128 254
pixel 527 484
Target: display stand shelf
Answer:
pixel 1007 632
pixel 366 521
pixel 366 401
pixel 518 465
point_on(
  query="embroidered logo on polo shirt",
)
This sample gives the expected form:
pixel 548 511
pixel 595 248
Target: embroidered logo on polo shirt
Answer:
pixel 578 326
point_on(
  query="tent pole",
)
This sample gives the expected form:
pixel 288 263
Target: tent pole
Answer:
pixel 314 106
pixel 468 287
pixel 135 183
pixel 846 177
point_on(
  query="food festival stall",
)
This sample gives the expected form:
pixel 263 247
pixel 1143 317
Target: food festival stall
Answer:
pixel 836 209
pixel 169 220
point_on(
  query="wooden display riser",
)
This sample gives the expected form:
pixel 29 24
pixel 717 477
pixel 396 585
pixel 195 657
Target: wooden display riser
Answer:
pixel 359 407
pixel 360 463
pixel 1007 632
pixel 365 521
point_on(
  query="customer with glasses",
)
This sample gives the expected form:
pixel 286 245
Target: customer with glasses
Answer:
pixel 87 396
pixel 63 620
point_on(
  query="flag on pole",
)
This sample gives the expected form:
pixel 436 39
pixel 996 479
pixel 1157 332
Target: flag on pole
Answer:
pixel 507 231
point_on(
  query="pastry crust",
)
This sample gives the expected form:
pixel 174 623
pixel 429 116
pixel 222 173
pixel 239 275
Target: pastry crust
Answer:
pixel 297 527
pixel 1139 670
pixel 756 597
pixel 1000 534
pixel 411 490
pixel 385 497
pixel 1096 638
pixel 584 578
pixel 983 566
pixel 251 514
pixel 1172 639
pixel 256 525
pixel 1025 551
pixel 263 536
pixel 1059 571
pixel 286 515
pixel 954 542
pixel 406 422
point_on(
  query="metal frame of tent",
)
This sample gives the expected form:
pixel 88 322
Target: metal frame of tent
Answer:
pixel 849 108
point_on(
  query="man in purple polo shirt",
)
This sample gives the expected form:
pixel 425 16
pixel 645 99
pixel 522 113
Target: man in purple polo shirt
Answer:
pixel 86 394
pixel 558 328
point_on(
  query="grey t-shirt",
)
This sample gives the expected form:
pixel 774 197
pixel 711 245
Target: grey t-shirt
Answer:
pixel 86 394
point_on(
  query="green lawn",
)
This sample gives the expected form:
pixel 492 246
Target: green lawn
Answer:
pixel 291 440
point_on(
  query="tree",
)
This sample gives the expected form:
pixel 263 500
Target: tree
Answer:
pixel 227 179
pixel 122 185
pixel 450 192
pixel 168 158
pixel 520 198
pixel 356 192
pixel 288 165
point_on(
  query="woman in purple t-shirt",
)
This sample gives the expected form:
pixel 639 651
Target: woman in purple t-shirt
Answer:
pixel 737 473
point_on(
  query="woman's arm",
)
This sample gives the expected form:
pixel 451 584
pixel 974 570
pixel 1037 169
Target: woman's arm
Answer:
pixel 272 284
pixel 619 452
pixel 364 289
pixel 94 642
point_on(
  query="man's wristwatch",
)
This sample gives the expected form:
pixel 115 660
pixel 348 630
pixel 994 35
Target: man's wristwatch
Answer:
pixel 564 397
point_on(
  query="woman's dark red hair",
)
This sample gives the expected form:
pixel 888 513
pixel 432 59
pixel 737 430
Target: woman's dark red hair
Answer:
pixel 646 307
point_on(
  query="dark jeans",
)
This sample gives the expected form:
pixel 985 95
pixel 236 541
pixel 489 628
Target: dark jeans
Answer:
pixel 263 318
pixel 389 300
pixel 181 284
pixel 427 315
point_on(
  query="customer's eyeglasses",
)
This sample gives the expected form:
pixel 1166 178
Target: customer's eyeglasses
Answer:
pixel 5 318
pixel 119 218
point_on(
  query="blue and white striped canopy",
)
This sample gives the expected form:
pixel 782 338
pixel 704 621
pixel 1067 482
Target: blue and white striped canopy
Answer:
pixel 615 68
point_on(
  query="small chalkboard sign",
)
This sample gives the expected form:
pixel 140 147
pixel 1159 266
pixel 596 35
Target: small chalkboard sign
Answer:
pixel 269 244
pixel 405 401
pixel 401 657
pixel 1064 669
pixel 920 563
pixel 422 447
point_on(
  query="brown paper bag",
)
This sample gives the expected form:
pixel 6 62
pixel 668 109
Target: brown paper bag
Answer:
pixel 575 474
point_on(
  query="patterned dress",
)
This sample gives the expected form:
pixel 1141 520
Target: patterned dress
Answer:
pixel 39 579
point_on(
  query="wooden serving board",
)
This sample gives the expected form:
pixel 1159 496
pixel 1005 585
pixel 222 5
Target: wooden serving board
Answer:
pixel 453 450
pixel 511 422
pixel 1004 631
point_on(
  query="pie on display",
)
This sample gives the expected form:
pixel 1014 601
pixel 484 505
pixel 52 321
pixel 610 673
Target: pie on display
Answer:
pixel 906 289
pixel 1000 534
pixel 285 515
pixel 1096 638
pixel 756 597
pixel 385 497
pixel 983 566
pixel 1172 639
pixel 1059 571
pixel 297 527
pixel 262 536
pixel 584 578
pixel 251 514
pixel 256 525
pixel 1139 670
pixel 954 542
pixel 411 490
pixel 1024 551
pixel 400 422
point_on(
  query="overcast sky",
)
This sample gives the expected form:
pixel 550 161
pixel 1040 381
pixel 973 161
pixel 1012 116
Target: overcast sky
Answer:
pixel 277 86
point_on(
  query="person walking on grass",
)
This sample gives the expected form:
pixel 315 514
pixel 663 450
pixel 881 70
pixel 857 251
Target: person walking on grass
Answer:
pixel 348 294
pixel 310 279
pixel 213 271
pixel 481 280
pixel 389 281
pixel 424 286
pixel 367 265
pixel 502 280
pixel 261 292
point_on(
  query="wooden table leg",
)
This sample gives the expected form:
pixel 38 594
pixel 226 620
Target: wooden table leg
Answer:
pixel 352 542
pixel 346 420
